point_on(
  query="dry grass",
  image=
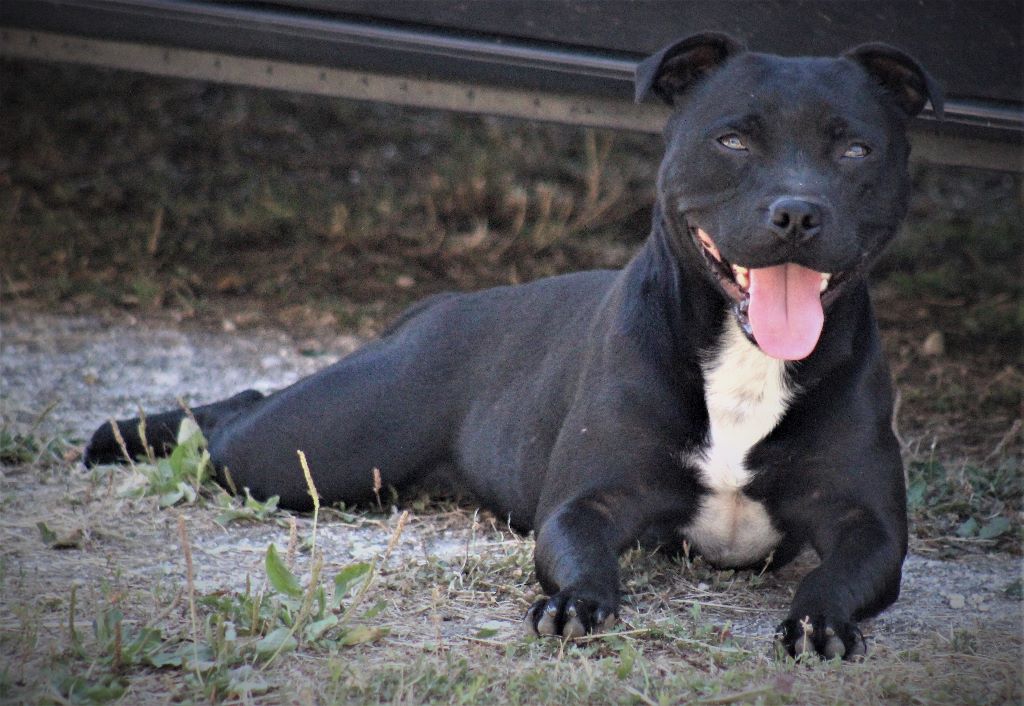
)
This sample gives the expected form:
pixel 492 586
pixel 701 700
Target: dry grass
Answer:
pixel 437 620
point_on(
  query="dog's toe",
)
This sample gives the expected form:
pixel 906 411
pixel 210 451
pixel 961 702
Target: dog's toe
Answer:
pixel 567 616
pixel 604 619
pixel 548 625
pixel 820 636
pixel 573 627
pixel 834 646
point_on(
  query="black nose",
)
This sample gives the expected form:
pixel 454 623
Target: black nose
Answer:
pixel 794 220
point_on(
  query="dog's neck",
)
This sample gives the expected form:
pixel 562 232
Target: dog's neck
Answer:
pixel 697 310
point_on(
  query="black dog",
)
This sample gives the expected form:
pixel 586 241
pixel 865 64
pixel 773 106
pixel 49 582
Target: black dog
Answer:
pixel 727 387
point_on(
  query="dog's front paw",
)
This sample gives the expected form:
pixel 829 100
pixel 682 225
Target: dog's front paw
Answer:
pixel 569 615
pixel 826 637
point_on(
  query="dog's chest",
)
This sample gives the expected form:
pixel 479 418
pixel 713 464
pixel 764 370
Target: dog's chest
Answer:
pixel 747 394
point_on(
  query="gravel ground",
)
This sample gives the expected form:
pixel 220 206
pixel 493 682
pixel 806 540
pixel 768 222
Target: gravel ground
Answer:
pixel 91 368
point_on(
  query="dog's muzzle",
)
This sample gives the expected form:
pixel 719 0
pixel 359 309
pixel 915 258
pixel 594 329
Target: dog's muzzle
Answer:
pixel 780 308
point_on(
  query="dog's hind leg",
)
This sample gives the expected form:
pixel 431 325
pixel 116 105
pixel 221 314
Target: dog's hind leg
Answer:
pixel 392 405
pixel 159 431
pixel 360 415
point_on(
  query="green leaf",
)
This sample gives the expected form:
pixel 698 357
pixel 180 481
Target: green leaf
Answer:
pixel 361 634
pixel 189 432
pixel 281 578
pixel 187 655
pixel 79 689
pixel 279 640
pixel 148 640
pixel 252 509
pixel 175 658
pixel 916 493
pixel 375 610
pixel 994 527
pixel 266 507
pixel 171 498
pixel 204 468
pixel 345 579
pixel 489 628
pixel 48 535
pixel 321 602
pixel 316 629
pixel 968 528
pixel 244 681
pixel 627 660
pixel 187 492
pixel 105 626
pixel 177 461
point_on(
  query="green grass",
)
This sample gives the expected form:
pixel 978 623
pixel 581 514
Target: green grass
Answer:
pixel 233 637
pixel 969 502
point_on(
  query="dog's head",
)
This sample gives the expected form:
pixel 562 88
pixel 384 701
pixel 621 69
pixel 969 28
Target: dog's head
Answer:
pixel 786 177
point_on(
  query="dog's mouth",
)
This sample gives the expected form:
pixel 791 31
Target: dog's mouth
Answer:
pixel 780 308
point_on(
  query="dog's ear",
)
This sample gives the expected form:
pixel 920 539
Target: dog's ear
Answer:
pixel 673 69
pixel 901 75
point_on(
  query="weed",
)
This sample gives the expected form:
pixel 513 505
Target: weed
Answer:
pixel 28 447
pixel 231 638
pixel 250 509
pixel 181 475
pixel 969 502
pixel 117 647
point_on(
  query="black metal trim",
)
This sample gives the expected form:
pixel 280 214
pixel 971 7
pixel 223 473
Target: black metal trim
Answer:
pixel 386 47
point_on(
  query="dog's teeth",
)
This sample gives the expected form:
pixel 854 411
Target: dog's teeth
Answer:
pixel 742 275
pixel 825 277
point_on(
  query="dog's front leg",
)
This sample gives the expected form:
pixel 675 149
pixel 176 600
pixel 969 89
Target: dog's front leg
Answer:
pixel 859 575
pixel 577 562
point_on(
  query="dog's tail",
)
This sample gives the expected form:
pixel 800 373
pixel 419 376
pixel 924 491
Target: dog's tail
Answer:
pixel 158 433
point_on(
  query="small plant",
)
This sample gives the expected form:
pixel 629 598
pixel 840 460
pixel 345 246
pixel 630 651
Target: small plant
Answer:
pixel 180 476
pixel 262 625
pixel 250 509
pixel 223 653
pixel 118 648
pixel 232 636
pixel 28 447
pixel 970 502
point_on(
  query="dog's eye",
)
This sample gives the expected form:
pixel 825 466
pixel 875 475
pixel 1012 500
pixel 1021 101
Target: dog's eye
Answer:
pixel 732 141
pixel 856 151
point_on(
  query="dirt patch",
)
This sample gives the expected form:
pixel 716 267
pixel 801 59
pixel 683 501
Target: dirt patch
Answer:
pixel 91 368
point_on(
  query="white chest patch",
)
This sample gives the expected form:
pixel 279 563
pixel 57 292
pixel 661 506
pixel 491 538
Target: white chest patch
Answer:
pixel 747 393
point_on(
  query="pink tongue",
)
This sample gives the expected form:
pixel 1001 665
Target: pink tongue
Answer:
pixel 785 310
